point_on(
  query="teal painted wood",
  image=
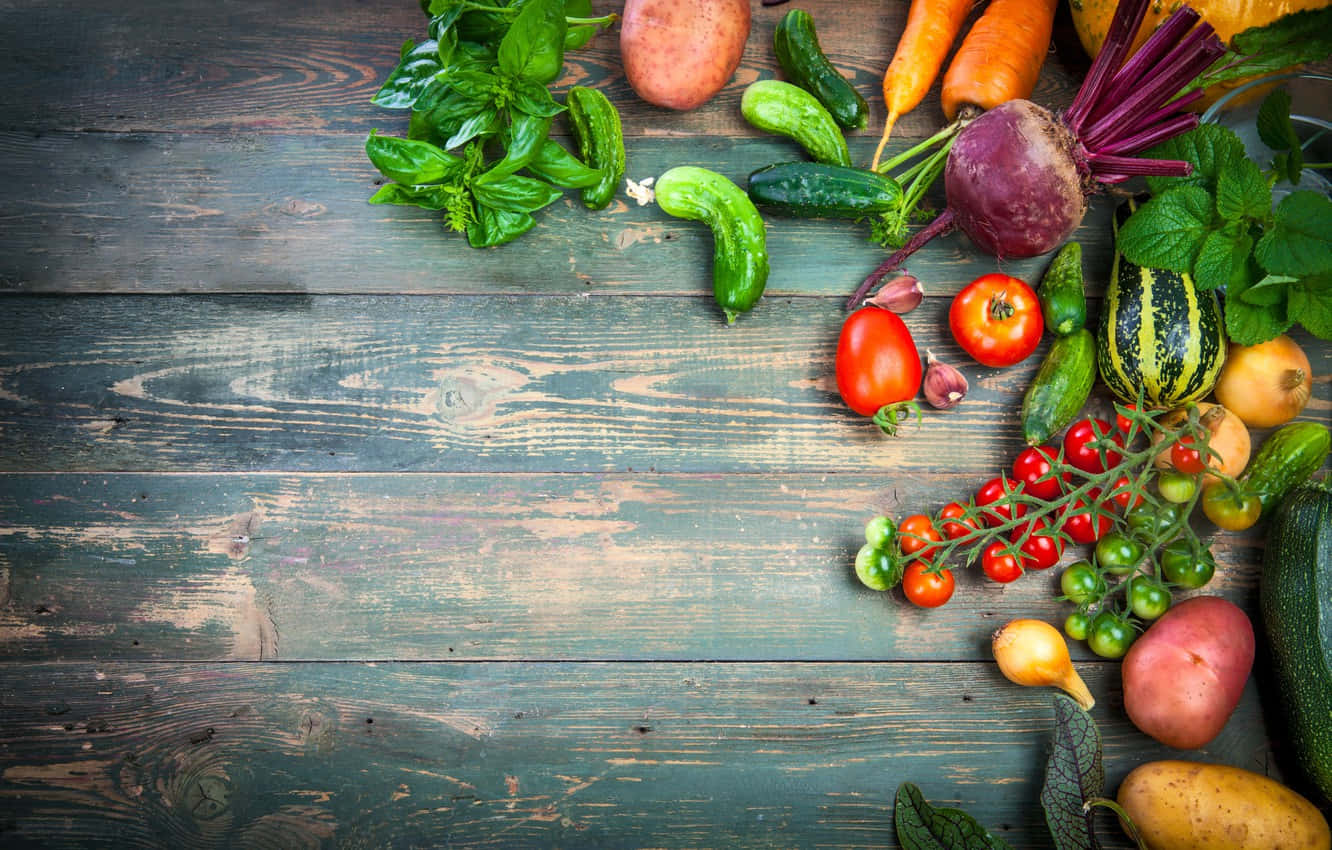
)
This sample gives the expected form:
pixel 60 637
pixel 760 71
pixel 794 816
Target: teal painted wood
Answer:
pixel 494 566
pixel 534 755
pixel 154 212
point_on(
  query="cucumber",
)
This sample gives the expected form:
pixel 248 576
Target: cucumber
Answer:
pixel 802 59
pixel 1060 388
pixel 817 190
pixel 1063 300
pixel 1295 599
pixel 1285 460
pixel 788 110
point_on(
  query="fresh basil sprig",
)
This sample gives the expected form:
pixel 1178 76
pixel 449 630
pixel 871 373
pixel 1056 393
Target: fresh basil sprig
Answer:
pixel 1220 226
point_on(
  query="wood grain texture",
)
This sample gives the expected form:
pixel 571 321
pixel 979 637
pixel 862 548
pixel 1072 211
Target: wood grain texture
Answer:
pixel 421 567
pixel 534 755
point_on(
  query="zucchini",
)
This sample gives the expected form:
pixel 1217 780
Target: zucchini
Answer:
pixel 802 59
pixel 1158 334
pixel 1295 599
pixel 1060 388
pixel 817 190
pixel 1285 460
pixel 1063 300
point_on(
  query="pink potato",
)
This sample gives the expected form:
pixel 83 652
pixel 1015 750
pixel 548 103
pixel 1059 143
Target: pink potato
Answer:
pixel 1184 676
pixel 679 53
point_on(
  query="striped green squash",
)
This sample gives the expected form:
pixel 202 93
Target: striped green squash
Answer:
pixel 1158 334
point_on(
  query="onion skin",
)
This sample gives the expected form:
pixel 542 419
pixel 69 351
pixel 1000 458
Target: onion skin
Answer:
pixel 1267 384
pixel 1033 652
pixel 1014 182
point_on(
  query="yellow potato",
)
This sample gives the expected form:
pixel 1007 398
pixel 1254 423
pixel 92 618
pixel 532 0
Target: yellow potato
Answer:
pixel 1182 805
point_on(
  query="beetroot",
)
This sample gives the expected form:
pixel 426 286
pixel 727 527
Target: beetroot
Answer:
pixel 1017 177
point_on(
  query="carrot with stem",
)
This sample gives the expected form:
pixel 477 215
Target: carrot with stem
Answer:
pixel 932 27
pixel 1001 57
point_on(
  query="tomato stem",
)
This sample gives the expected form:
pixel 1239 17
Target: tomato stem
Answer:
pixel 1001 308
pixel 890 416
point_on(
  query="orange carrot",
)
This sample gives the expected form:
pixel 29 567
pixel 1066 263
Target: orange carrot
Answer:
pixel 931 28
pixel 1001 57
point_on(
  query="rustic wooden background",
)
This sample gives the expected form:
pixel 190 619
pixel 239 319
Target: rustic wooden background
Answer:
pixel 319 528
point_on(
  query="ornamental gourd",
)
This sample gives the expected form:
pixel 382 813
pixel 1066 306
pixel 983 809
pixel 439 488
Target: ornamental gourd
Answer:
pixel 1158 334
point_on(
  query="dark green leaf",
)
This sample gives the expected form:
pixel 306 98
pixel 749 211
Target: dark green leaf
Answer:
pixel 921 826
pixel 1209 147
pixel 479 86
pixel 533 48
pixel 1268 292
pixel 514 193
pixel 484 27
pixel 1223 253
pixel 1300 242
pixel 411 161
pixel 535 99
pixel 578 36
pixel 1242 192
pixel 554 164
pixel 1250 324
pixel 483 121
pixel 436 197
pixel 1296 27
pixel 416 70
pixel 1074 774
pixel 1273 122
pixel 442 21
pixel 1168 231
pixel 1288 165
pixel 495 227
pixel 522 141
pixel 1311 305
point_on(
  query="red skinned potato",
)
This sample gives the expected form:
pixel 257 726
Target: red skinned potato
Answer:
pixel 1185 675
pixel 679 53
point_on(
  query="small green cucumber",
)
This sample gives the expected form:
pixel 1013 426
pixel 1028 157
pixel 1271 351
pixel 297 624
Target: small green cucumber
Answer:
pixel 1063 300
pixel 1061 386
pixel 818 190
pixel 788 110
pixel 802 59
pixel 596 127
pixel 1285 460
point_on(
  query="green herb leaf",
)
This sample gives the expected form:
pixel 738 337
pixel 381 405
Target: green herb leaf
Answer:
pixel 495 227
pixel 1278 133
pixel 522 141
pixel 416 70
pixel 410 161
pixel 1168 231
pixel 434 197
pixel 1300 241
pixel 481 121
pixel 1290 40
pixel 1311 305
pixel 921 826
pixel 1242 192
pixel 533 48
pixel 514 193
pixel 554 164
pixel 1074 774
pixel 1250 324
pixel 1210 148
pixel 1223 254
pixel 1268 292
pixel 535 99
pixel 1301 26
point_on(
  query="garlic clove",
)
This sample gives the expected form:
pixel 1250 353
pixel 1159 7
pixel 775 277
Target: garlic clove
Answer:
pixel 944 386
pixel 900 295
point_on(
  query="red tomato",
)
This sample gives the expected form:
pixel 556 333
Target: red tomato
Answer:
pixel 928 590
pixel 955 522
pixel 1122 422
pixel 997 320
pixel 1123 494
pixel 1082 523
pixel 1090 458
pixel 1042 549
pixel 995 496
pixel 917 533
pixel 1035 463
pixel 877 362
pixel 1185 458
pixel 999 563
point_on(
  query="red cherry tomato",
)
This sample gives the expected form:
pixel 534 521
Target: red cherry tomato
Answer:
pixel 917 533
pixel 1083 523
pixel 1031 466
pixel 996 498
pixel 1122 423
pixel 1123 494
pixel 997 320
pixel 1042 549
pixel 928 590
pixel 1185 458
pixel 1091 458
pixel 955 522
pixel 999 563
pixel 877 363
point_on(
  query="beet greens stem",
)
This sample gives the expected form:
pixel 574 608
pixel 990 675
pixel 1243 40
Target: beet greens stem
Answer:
pixel 943 223
pixel 1123 27
pixel 1158 132
pixel 1157 46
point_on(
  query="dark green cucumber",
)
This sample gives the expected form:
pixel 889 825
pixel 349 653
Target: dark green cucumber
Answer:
pixel 1295 599
pixel 1060 388
pixel 1063 300
pixel 818 190
pixel 802 59
pixel 1285 460
pixel 596 127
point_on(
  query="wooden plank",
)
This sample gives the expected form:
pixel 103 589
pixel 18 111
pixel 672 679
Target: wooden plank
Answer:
pixel 313 68
pixel 155 212
pixel 520 755
pixel 472 384
pixel 509 567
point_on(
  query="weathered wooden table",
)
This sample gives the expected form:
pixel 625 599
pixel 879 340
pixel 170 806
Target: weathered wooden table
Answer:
pixel 319 528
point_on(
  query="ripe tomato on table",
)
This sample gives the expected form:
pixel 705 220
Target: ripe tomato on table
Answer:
pixel 997 320
pixel 877 362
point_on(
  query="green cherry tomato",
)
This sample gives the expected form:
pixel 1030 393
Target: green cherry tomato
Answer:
pixel 1147 598
pixel 1230 509
pixel 1081 584
pixel 1147 522
pixel 1111 635
pixel 878 569
pixel 1176 487
pixel 879 532
pixel 1118 553
pixel 1077 625
pixel 1182 565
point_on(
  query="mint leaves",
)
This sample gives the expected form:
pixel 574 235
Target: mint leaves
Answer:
pixel 1219 225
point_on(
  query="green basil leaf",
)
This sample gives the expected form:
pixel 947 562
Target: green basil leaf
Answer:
pixel 1223 253
pixel 1242 192
pixel 1300 241
pixel 1209 147
pixel 1250 324
pixel 436 197
pixel 480 122
pixel 522 141
pixel 442 21
pixel 578 36
pixel 479 86
pixel 411 161
pixel 1311 305
pixel 1074 774
pixel 495 227
pixel 514 193
pixel 416 70
pixel 533 48
pixel 535 99
pixel 921 826
pixel 483 27
pixel 1168 231
pixel 555 164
